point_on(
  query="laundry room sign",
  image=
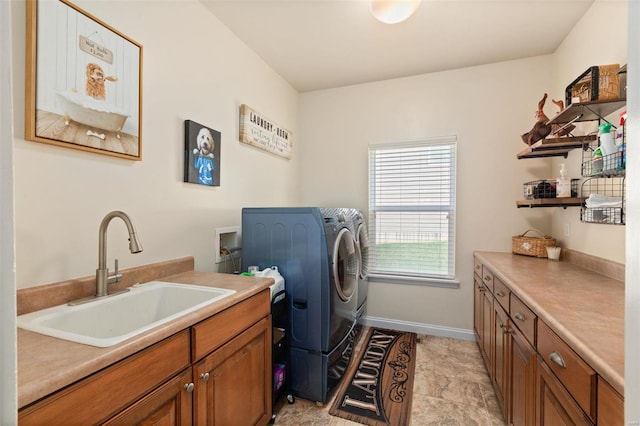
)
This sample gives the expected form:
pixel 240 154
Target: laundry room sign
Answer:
pixel 258 131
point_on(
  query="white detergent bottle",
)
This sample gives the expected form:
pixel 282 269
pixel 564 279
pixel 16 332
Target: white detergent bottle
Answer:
pixel 563 186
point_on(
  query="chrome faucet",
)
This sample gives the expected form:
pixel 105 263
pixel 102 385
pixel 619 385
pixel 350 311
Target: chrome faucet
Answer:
pixel 102 273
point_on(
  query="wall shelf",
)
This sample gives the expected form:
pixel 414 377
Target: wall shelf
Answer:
pixel 587 111
pixel 552 202
pixel 555 147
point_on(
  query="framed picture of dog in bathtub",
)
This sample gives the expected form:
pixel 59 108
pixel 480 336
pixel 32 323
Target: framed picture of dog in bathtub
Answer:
pixel 201 154
pixel 83 82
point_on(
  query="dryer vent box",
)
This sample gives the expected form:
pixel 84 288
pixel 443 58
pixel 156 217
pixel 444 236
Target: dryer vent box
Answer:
pixel 228 244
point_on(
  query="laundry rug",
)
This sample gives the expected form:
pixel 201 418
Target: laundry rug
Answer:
pixel 378 386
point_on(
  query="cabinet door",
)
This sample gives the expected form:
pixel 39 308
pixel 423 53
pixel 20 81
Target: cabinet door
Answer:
pixel 554 405
pixel 233 384
pixel 168 405
pixel 478 288
pixel 482 307
pixel 610 405
pixel 501 358
pixel 487 330
pixel 523 373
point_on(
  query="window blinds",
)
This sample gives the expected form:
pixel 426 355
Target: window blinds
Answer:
pixel 412 194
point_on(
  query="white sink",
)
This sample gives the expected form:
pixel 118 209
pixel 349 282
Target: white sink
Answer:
pixel 108 321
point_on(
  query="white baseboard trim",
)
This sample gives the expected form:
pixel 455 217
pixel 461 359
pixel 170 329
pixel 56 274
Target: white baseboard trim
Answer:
pixel 418 328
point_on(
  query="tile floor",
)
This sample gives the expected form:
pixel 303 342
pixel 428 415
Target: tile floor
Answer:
pixel 451 387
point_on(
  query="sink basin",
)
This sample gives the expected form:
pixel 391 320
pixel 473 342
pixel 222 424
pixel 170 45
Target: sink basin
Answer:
pixel 110 320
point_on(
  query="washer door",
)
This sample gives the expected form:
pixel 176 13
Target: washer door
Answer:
pixel 362 239
pixel 346 265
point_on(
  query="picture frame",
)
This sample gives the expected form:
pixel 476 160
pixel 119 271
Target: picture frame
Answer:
pixel 83 82
pixel 201 154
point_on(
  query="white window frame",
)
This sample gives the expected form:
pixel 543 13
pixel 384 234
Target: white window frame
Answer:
pixel 426 277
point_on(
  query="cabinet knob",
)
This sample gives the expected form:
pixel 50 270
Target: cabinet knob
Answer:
pixel 189 387
pixel 477 266
pixel 487 278
pixel 519 316
pixel 557 358
pixel 500 293
pixel 204 377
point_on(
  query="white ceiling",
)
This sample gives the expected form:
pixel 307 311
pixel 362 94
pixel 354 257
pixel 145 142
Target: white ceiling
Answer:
pixel 319 44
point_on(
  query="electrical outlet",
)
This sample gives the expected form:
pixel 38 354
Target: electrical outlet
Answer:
pixel 567 230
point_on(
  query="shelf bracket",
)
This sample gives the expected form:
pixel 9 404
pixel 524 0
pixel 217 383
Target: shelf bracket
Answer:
pixel 600 117
pixel 565 125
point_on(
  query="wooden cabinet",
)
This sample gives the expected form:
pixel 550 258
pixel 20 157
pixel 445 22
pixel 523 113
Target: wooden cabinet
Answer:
pixel 538 379
pixel 483 309
pixel 218 372
pixel 233 377
pixel 610 405
pixel 100 396
pixel 231 382
pixel 572 372
pixel 501 361
pixel 555 406
pixel 169 405
pixel 522 357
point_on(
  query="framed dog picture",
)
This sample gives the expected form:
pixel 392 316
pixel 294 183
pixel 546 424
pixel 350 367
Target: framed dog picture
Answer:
pixel 201 154
pixel 83 82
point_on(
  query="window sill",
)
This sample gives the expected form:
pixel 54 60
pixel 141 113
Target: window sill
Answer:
pixel 423 281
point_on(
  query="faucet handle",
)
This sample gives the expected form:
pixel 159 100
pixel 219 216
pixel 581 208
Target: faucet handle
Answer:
pixel 116 277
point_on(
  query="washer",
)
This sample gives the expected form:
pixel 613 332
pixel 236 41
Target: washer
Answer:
pixel 315 251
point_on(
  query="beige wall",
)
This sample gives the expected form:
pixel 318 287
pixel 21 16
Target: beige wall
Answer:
pixel 487 108
pixel 599 38
pixel 194 68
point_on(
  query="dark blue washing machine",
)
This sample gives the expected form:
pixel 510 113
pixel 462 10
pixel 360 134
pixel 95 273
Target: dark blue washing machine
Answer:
pixel 315 252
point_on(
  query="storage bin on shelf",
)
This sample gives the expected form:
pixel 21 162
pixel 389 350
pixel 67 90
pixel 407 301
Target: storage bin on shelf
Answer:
pixel 598 83
pixel 546 188
pixel 542 188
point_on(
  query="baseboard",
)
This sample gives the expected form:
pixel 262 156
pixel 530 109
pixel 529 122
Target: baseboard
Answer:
pixel 418 328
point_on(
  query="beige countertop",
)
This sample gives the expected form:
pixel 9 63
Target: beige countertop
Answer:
pixel 584 308
pixel 46 364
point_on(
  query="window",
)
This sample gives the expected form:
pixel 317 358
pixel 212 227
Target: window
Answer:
pixel 412 209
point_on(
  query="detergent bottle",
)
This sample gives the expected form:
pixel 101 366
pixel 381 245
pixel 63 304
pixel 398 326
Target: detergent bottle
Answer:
pixel 563 186
pixel 606 139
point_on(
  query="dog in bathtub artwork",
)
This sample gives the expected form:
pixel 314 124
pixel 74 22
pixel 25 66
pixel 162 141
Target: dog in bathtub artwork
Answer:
pixel 85 82
pixel 202 154
pixel 90 108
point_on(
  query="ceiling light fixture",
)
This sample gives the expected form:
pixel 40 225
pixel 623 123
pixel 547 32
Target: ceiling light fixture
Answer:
pixel 393 11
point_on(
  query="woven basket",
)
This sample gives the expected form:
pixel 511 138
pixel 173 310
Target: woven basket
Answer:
pixel 532 246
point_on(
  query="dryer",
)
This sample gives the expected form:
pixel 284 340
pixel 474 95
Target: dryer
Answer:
pixel 315 252
pixel 361 236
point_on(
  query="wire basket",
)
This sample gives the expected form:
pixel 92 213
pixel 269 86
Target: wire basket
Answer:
pixel 605 201
pixel 544 188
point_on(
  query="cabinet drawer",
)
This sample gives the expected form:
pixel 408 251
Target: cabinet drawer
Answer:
pixel 217 330
pixel 477 267
pixel 523 318
pixel 501 293
pixel 487 278
pixel 573 372
pixel 103 394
